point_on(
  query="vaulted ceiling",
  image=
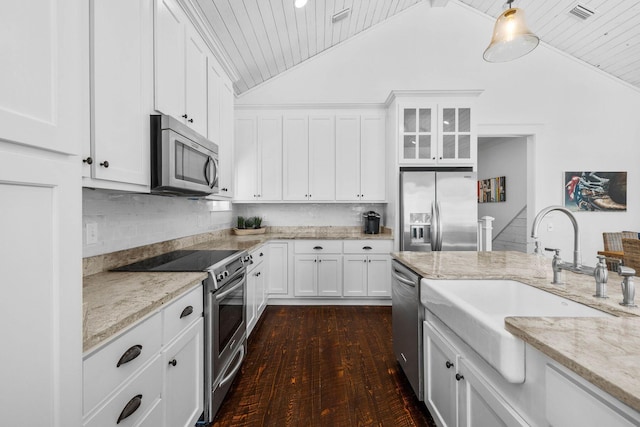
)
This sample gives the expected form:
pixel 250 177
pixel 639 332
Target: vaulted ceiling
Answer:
pixel 263 38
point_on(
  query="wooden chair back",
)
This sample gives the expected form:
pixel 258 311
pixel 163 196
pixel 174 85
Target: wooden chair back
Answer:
pixel 613 241
pixel 631 249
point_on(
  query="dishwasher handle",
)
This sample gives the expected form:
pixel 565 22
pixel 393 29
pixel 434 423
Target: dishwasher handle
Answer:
pixel 402 278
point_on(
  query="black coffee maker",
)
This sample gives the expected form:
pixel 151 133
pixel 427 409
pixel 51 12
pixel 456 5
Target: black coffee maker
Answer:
pixel 371 222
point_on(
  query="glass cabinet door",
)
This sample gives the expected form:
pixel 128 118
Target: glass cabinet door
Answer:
pixel 418 133
pixel 455 131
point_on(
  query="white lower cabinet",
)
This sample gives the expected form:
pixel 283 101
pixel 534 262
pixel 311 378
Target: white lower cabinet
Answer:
pixel 183 390
pixel 152 374
pixel 367 275
pixel 277 279
pixel 318 275
pixel 456 394
pixel 256 286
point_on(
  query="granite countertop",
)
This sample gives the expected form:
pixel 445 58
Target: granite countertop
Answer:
pixel 116 300
pixel 604 351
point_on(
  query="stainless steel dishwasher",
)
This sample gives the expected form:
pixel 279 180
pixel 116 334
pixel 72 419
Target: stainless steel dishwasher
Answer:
pixel 407 317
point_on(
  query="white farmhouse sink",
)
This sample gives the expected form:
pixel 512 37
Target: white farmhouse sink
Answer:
pixel 475 311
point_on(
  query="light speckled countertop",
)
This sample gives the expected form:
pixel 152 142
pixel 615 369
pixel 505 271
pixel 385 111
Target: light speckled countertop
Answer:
pixel 604 351
pixel 116 300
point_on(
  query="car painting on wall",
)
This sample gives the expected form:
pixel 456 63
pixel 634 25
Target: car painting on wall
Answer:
pixel 595 191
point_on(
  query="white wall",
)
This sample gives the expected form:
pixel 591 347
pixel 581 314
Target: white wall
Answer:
pixel 503 157
pixel 302 214
pixel 129 220
pixel 589 120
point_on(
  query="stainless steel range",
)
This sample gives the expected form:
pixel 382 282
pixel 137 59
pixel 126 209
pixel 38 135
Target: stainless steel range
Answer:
pixel 224 313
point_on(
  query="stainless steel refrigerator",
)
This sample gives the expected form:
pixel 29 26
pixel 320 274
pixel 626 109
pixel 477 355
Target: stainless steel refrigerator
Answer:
pixel 438 210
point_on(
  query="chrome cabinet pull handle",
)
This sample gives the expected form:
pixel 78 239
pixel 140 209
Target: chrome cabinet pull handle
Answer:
pixel 129 355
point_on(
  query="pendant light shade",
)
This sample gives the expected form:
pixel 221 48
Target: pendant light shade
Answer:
pixel 511 37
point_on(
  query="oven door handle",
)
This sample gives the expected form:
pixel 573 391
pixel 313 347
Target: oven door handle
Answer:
pixel 221 295
pixel 235 368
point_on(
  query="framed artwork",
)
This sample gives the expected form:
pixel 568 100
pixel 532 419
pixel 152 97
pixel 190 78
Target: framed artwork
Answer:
pixel 595 191
pixel 492 190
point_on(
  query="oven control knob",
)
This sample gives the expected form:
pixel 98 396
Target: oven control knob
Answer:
pixel 226 273
pixel 220 276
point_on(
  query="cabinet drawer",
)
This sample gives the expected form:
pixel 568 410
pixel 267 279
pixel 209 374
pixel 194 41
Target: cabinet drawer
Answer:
pixel 257 256
pixel 318 246
pixel 101 373
pixel 181 313
pixel 145 388
pixel 368 246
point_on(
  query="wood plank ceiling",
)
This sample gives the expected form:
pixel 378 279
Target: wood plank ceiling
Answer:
pixel 263 38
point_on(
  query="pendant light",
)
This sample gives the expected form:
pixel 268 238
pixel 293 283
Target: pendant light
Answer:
pixel 511 37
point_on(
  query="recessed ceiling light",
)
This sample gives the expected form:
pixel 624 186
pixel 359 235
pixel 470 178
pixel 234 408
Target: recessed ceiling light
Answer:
pixel 299 3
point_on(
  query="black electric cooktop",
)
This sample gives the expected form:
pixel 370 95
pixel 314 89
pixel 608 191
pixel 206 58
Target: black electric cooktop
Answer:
pixel 177 261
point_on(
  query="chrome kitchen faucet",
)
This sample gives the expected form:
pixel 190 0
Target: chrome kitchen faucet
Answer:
pixel 599 272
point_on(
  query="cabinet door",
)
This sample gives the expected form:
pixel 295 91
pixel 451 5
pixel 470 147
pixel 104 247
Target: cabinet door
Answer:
pixel 169 44
pixel 379 275
pixel 246 157
pixel 261 288
pixel 214 102
pixel 277 282
pixel 44 80
pixel 227 141
pixel 441 387
pixel 121 90
pixel 270 155
pixel 355 276
pixel 184 371
pixel 40 219
pixel 372 160
pixel 295 158
pixel 418 130
pixel 457 143
pixel 305 275
pixel 348 158
pixel 330 275
pixel 195 81
pixel 480 404
pixel 252 279
pixel 322 158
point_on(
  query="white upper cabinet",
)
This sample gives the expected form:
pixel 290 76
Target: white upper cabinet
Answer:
pixel 196 82
pixel 220 127
pixel 180 68
pixel 309 158
pixel 435 129
pixel 122 93
pixel 360 158
pixel 258 156
pixel 43 80
pixel 169 39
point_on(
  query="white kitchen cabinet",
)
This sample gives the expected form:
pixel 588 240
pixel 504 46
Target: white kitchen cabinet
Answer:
pixel 318 268
pixel 160 358
pixel 221 130
pixel 180 67
pixel 441 386
pixel 309 158
pixel 360 158
pixel 122 93
pixel 183 386
pixel 256 286
pixel 278 268
pixel 481 405
pixel 258 155
pixel 44 99
pixel 367 268
pixel 44 120
pixel 436 134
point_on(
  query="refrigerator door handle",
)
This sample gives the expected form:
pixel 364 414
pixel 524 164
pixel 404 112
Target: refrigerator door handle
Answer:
pixel 439 230
pixel 434 227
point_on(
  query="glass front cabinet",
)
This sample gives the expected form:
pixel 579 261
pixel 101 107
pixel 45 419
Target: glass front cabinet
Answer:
pixel 436 134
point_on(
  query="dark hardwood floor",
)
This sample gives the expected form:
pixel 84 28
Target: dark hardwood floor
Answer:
pixel 322 366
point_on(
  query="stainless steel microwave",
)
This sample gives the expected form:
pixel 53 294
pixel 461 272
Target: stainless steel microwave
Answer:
pixel 183 163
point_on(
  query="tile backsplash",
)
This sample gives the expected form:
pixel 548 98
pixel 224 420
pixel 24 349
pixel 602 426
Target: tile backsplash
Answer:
pixel 127 220
pixel 303 214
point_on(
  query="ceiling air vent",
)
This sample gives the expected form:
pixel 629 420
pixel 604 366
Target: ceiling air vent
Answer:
pixel 582 12
pixel 340 15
